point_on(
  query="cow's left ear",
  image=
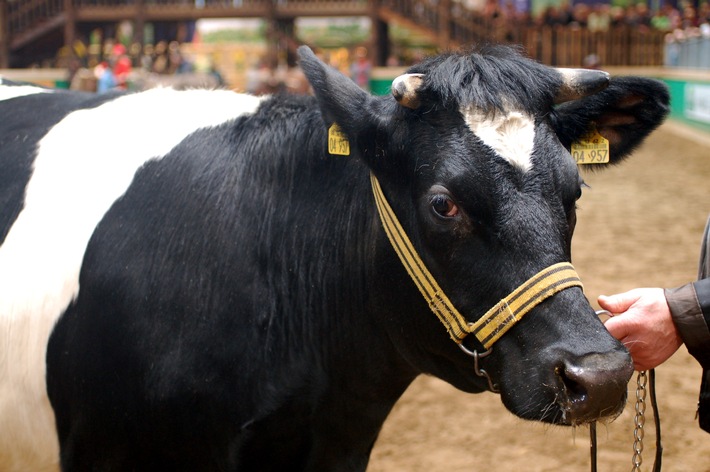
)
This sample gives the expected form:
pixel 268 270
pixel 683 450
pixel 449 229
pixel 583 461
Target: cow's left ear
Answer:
pixel 624 113
pixel 341 100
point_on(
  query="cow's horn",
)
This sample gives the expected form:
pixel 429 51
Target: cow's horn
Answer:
pixel 579 83
pixel 404 90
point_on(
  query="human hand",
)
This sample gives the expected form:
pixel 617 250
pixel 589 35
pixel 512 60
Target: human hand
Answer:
pixel 642 322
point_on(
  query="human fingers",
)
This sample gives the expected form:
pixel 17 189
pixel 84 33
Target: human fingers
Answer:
pixel 623 329
pixel 619 327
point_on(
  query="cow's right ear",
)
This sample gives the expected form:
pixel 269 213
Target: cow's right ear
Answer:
pixel 624 113
pixel 361 116
pixel 337 95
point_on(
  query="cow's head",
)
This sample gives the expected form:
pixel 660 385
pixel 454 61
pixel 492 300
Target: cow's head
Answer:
pixel 473 154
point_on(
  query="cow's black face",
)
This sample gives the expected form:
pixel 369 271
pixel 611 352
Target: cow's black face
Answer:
pixel 485 224
pixel 475 163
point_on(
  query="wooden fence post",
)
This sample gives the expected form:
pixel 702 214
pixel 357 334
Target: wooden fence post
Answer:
pixel 69 26
pixel 139 28
pixel 444 24
pixel 4 36
pixel 380 40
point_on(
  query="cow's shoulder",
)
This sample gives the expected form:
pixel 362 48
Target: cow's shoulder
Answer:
pixel 69 170
pixel 29 113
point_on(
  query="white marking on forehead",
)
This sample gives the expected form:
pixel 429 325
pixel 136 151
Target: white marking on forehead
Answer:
pixel 12 91
pixel 511 134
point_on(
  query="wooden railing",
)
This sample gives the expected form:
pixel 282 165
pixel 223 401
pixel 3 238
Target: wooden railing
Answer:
pixel 26 14
pixel 285 8
pixel 447 22
pixel 620 46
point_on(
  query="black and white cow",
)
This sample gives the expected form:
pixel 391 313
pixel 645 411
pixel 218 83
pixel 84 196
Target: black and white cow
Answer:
pixel 221 294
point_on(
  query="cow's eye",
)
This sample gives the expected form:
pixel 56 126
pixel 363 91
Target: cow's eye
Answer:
pixel 444 206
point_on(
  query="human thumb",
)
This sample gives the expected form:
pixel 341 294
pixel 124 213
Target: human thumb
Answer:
pixel 619 302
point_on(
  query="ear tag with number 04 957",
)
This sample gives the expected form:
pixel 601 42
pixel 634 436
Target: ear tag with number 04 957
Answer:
pixel 337 141
pixel 592 148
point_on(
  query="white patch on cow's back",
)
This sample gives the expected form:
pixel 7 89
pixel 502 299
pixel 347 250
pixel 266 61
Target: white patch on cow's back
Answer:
pixel 13 91
pixel 511 134
pixel 83 165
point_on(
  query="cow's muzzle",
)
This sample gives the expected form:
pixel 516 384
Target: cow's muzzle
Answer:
pixel 593 386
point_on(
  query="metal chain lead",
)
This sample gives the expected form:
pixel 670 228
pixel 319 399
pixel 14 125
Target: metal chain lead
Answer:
pixel 639 420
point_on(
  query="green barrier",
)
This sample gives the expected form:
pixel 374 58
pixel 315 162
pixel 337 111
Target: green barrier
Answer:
pixel 382 77
pixel 690 102
pixel 380 86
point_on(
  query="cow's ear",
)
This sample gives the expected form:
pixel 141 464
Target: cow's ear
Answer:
pixel 342 101
pixel 624 113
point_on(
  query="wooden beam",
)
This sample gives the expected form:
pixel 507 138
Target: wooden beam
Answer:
pixel 139 25
pixel 380 44
pixel 272 37
pixel 444 38
pixel 69 26
pixel 4 36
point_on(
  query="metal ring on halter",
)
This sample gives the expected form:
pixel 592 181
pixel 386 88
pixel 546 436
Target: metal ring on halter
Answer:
pixel 604 313
pixel 476 368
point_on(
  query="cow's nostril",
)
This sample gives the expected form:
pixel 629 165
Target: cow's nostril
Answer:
pixel 594 386
pixel 575 390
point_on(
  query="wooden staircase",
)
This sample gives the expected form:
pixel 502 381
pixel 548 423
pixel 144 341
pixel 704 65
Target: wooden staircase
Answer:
pixel 27 20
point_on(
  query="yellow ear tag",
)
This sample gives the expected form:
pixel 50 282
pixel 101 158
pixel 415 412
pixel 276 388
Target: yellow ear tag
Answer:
pixel 337 141
pixel 592 148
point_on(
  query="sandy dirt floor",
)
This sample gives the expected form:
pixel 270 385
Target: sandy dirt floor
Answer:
pixel 639 224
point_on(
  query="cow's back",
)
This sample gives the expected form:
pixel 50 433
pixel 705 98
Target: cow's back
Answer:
pixel 67 157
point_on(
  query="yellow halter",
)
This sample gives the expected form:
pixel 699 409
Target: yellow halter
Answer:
pixel 499 319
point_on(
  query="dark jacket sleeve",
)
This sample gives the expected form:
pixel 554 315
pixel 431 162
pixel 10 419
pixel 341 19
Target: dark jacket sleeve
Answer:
pixel 702 290
pixel 690 308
